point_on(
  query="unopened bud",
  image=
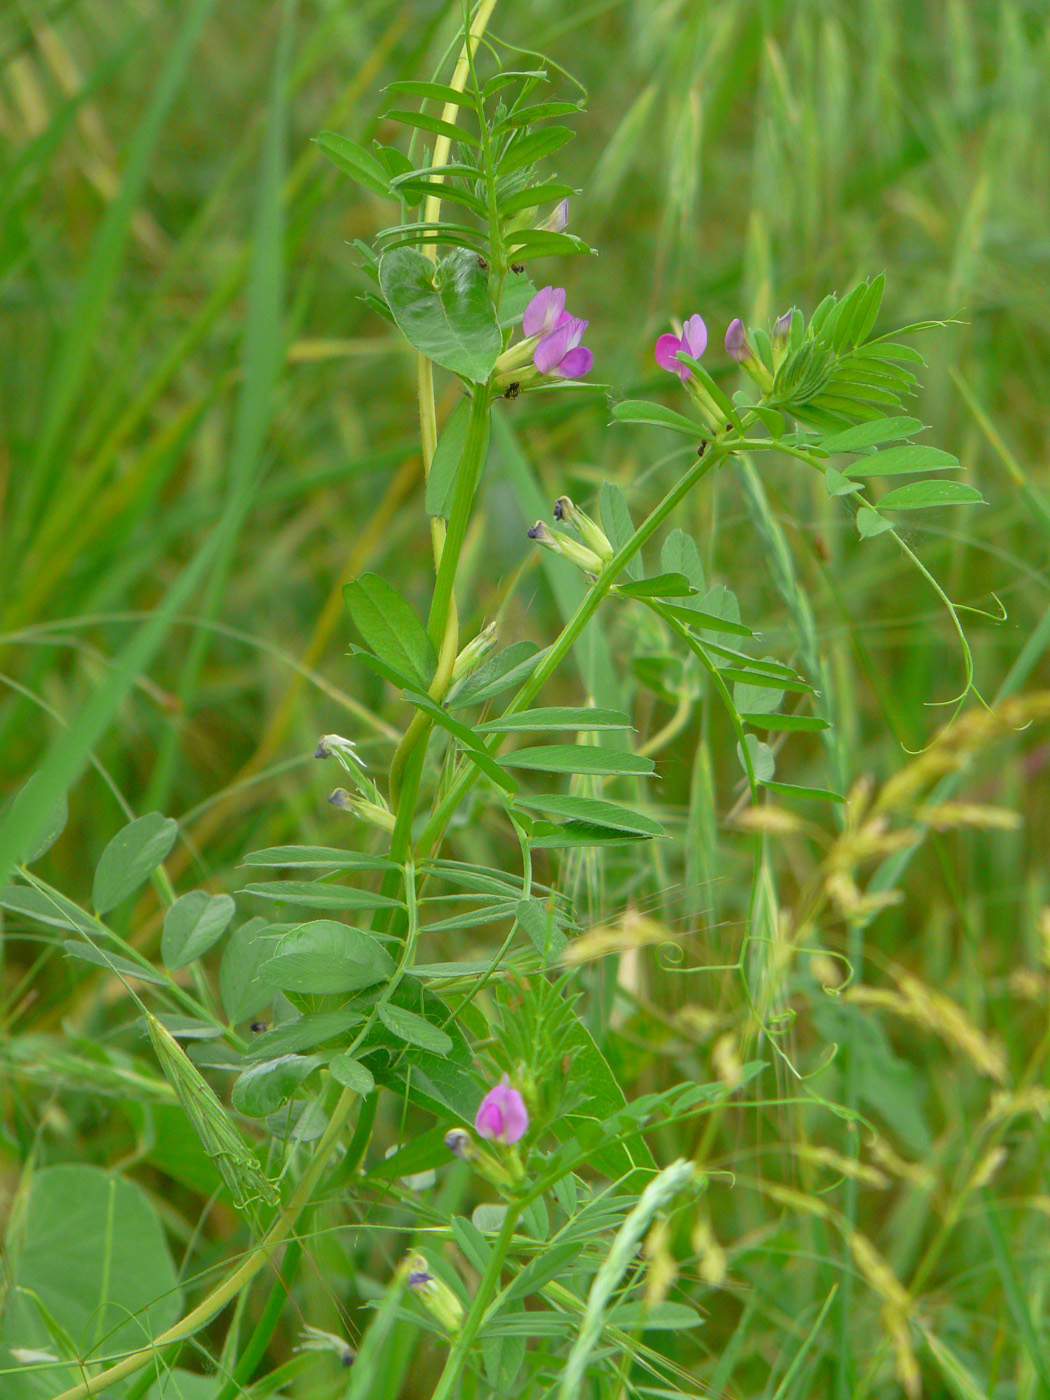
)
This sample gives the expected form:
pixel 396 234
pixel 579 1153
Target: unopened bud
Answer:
pixel 475 651
pixel 591 533
pixel 370 812
pixel 556 219
pixel 335 746
pixel 737 347
pixel 461 1144
pixel 436 1296
pixel 782 328
pixel 577 554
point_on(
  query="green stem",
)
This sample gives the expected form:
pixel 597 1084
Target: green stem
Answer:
pixel 470 468
pixel 572 629
pixel 457 1357
pixel 264 1329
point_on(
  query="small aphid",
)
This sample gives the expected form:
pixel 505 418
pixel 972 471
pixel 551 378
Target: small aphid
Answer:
pixel 513 390
pixel 517 267
pixel 701 449
pixel 482 263
pixel 258 1027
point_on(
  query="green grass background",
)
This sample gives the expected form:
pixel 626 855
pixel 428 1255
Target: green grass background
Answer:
pixel 199 416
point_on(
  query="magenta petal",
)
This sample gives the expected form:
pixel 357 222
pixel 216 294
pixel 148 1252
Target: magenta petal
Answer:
pixel 576 363
pixel 544 311
pixel 694 337
pixel 563 320
pixel 666 352
pixel 551 350
pixel 502 1115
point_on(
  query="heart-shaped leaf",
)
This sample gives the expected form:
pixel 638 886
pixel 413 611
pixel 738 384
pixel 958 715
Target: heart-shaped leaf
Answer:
pixel 444 312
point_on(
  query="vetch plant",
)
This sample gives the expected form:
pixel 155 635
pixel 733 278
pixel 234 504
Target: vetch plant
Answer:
pixel 354 1013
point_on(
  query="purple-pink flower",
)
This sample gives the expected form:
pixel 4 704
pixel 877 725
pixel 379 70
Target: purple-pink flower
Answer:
pixel 559 351
pixel 502 1115
pixel 545 312
pixel 693 341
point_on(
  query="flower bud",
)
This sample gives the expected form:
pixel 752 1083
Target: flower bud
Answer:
pixel 334 745
pixel 577 554
pixel 592 533
pixel 737 347
pixel 438 1299
pixel 556 219
pixel 782 328
pixel 461 1144
pixel 475 651
pixel 370 812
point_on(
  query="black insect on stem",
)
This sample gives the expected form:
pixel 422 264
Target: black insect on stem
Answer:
pixel 513 390
pixel 517 267
pixel 482 263
pixel 701 449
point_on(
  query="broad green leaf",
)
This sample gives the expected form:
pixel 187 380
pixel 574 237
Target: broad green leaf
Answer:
pixel 352 1074
pixel 318 894
pixel 641 411
pixel 48 907
pixel 763 679
pixel 355 161
pixel 242 991
pixel 922 495
pixel 839 485
pixel 123 967
pixel 517 292
pixel 671 585
pixel 680 555
pixel 577 758
pixel 542 927
pixel 437 126
pixel 305 1033
pixel 582 718
pixel 504 671
pixel 533 146
pixel 192 925
pixel 763 763
pixel 796 790
pixel 444 313
pixel 534 195
pixel 617 523
pixel 756 699
pixel 592 810
pixel 49 831
pixel 705 620
pixel 417 1030
pixel 803 723
pixel 554 836
pixel 315 857
pixel 130 858
pixel 866 435
pixel 542 1269
pixel 439 92
pixel 262 1089
pixel 660 1317
pixel 870 523
pixel 909 457
pixel 89 1245
pixel 543 243
pixel 391 628
pixel 324 956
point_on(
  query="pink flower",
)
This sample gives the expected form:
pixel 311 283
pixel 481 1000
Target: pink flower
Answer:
pixel 545 312
pixel 561 353
pixel 693 341
pixel 502 1115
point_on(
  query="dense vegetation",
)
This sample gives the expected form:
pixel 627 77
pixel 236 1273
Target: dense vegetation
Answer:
pixel 438 965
